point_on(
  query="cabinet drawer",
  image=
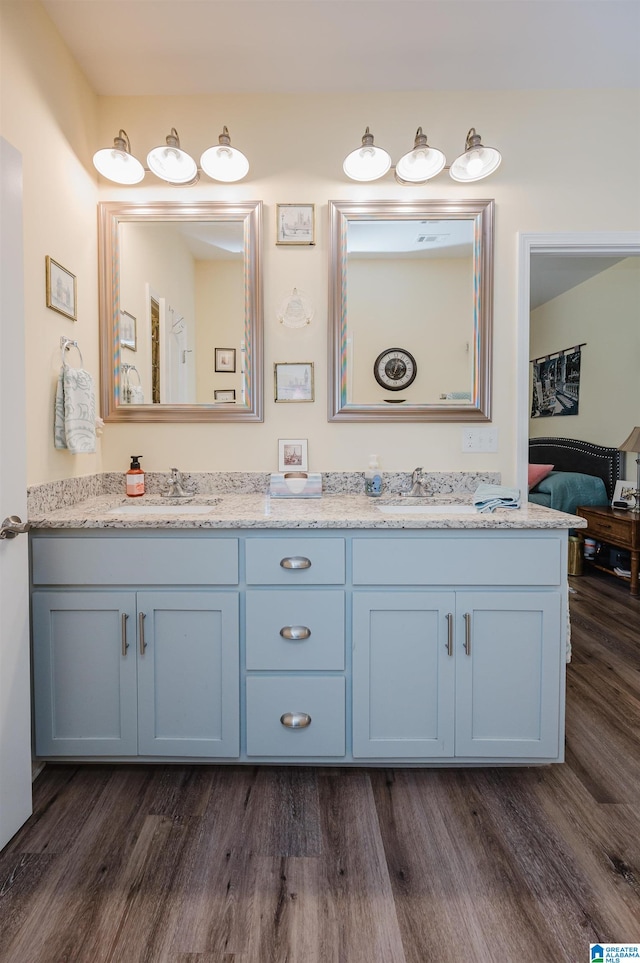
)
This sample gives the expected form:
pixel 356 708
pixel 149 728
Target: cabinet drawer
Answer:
pixel 135 561
pixel 615 530
pixel 321 698
pixel 457 561
pixel 295 630
pixel 307 561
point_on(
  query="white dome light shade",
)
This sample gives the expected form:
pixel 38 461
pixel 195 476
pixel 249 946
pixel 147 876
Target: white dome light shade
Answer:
pixel 476 162
pixel 420 164
pixel 117 163
pixel 368 162
pixel 172 164
pixel 224 162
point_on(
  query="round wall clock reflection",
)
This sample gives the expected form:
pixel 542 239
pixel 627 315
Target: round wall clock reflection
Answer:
pixel 395 369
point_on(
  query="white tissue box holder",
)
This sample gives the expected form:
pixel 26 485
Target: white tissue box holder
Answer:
pixel 295 484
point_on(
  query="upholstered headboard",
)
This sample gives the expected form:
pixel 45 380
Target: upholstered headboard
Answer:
pixel 567 454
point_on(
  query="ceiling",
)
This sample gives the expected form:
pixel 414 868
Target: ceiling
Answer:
pixel 554 274
pixel 146 47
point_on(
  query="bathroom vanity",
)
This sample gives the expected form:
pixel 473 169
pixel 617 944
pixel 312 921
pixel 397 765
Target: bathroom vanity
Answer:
pixel 326 631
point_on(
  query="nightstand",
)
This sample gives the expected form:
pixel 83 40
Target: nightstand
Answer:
pixel 618 528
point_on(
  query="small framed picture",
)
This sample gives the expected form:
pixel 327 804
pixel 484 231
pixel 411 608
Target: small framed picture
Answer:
pixel 293 381
pixel 227 395
pixel 61 289
pixel 296 224
pixel 625 492
pixel 293 454
pixel 128 331
pixel 225 359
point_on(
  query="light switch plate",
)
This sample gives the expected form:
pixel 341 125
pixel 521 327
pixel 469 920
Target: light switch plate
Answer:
pixel 479 439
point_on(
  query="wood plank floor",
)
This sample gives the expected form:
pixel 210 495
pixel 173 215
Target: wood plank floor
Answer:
pixel 121 864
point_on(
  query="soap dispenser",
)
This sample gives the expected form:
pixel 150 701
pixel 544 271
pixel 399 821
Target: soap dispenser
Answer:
pixel 135 478
pixel 373 478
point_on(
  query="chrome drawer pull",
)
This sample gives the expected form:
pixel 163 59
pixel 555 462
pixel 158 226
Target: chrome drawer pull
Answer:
pixel 143 644
pixel 467 633
pixel 449 634
pixel 125 644
pixel 295 633
pixel 295 720
pixel 296 561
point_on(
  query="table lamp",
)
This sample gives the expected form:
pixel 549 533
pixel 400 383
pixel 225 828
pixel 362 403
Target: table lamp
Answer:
pixel 632 443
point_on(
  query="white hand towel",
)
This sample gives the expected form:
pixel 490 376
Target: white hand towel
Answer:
pixel 487 498
pixel 75 411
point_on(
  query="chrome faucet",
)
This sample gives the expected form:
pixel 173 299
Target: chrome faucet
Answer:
pixel 418 486
pixel 175 486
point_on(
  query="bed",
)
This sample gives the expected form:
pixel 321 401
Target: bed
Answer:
pixel 582 474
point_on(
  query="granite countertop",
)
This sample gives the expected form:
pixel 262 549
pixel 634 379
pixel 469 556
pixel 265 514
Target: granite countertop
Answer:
pixel 236 511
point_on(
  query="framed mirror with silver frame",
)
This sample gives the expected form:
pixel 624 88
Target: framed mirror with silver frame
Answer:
pixel 418 274
pixel 191 275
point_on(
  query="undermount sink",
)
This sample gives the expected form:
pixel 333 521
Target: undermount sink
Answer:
pixel 186 507
pixel 451 509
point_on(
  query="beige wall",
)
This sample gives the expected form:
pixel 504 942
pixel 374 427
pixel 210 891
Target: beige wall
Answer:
pixel 49 113
pixel 295 144
pixel 604 312
pixel 220 323
pixel 424 305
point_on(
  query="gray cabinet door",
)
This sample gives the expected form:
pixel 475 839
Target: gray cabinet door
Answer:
pixel 84 672
pixel 403 675
pixel 188 674
pixel 509 674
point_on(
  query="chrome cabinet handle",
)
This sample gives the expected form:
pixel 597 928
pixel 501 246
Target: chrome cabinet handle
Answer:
pixel 449 633
pixel 143 644
pixel 295 720
pixel 13 525
pixel 295 633
pixel 296 562
pixel 125 644
pixel 467 633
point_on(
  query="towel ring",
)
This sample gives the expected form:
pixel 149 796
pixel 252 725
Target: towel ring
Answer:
pixel 66 344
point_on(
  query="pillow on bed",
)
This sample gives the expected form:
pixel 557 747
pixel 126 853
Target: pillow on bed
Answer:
pixel 537 473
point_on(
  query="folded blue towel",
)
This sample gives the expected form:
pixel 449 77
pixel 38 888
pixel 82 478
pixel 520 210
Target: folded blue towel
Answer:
pixel 487 498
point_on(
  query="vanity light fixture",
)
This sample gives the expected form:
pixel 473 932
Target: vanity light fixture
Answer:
pixel 476 162
pixel 368 163
pixel 224 162
pixel 117 163
pixel 420 164
pixel 169 162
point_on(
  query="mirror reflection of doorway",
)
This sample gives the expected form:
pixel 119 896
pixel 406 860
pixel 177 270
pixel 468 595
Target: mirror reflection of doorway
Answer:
pixel 154 308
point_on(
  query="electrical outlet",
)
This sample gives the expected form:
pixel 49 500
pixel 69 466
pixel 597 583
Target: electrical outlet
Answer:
pixel 470 439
